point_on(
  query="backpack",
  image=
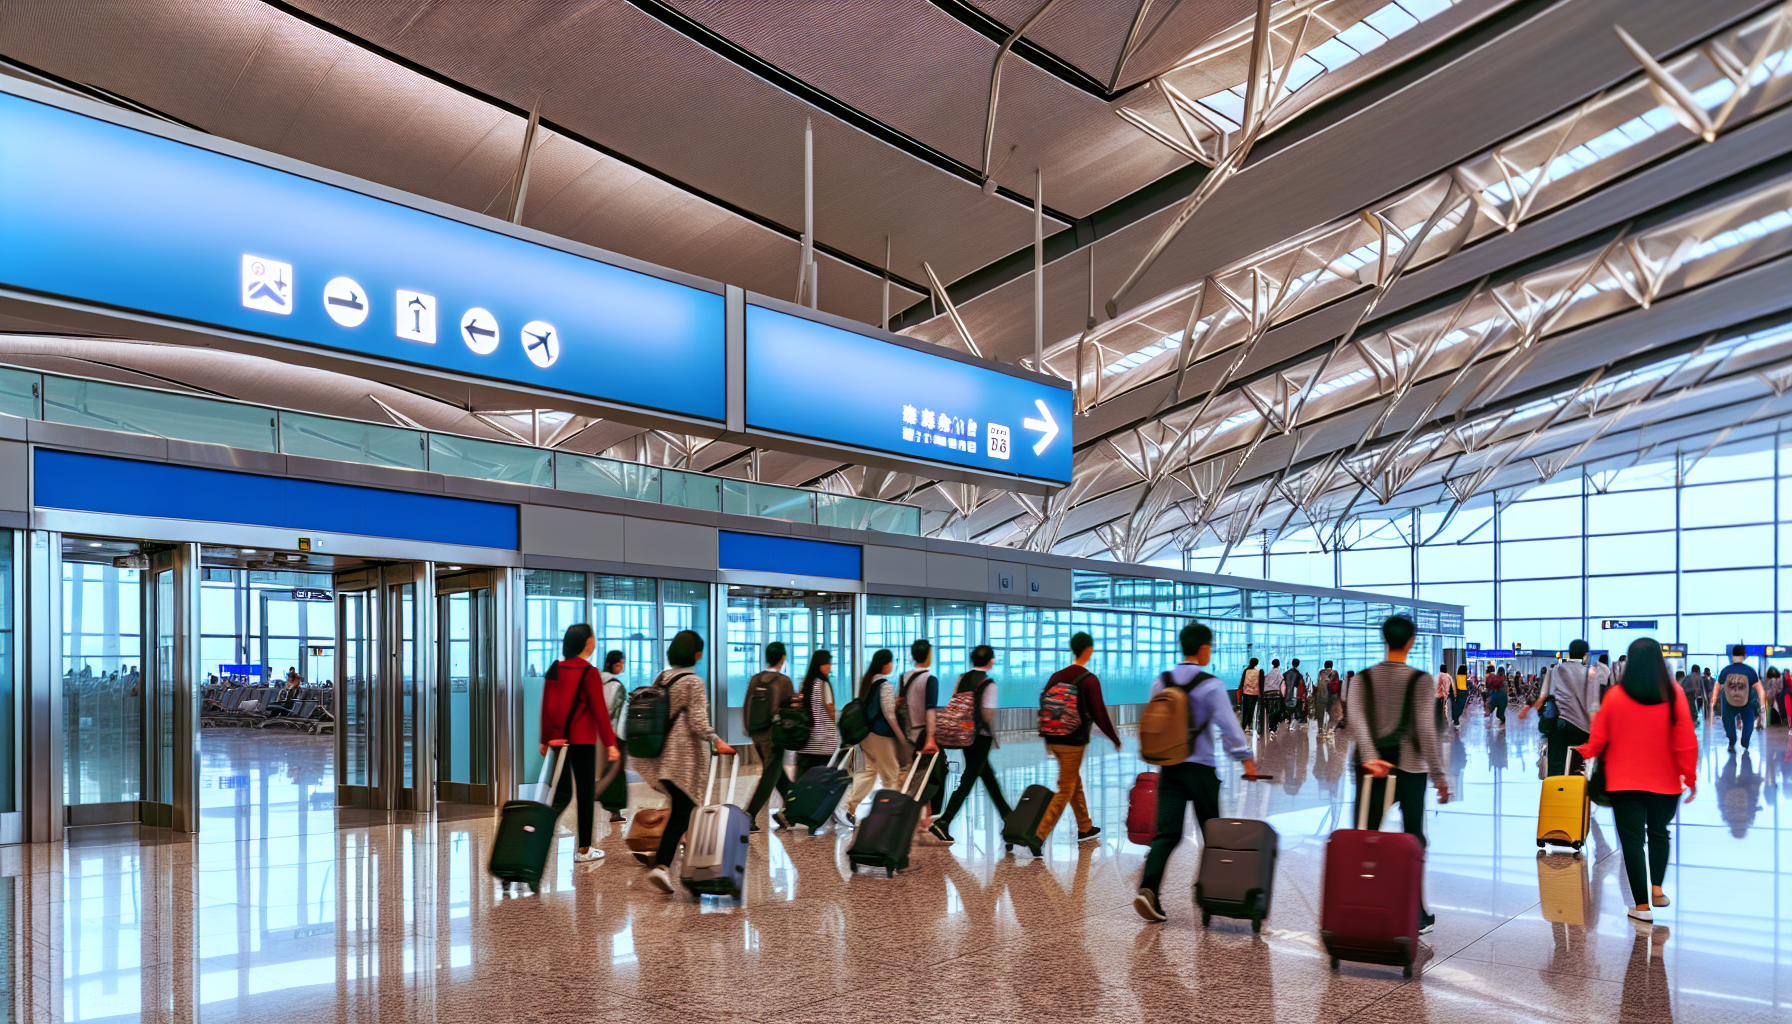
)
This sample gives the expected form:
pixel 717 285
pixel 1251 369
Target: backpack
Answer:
pixel 791 727
pixel 903 713
pixel 1059 712
pixel 856 717
pixel 760 707
pixel 650 717
pixel 1736 689
pixel 955 726
pixel 1334 685
pixel 1166 734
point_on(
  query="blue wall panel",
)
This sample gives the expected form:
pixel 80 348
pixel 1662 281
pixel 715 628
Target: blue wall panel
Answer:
pixel 759 553
pixel 94 483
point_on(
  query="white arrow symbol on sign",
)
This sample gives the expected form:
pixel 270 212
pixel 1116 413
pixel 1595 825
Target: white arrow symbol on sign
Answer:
pixel 1044 423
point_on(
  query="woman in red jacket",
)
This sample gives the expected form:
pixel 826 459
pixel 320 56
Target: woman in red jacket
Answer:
pixel 573 715
pixel 1644 731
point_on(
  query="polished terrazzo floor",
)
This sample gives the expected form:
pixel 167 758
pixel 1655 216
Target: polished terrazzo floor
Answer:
pixel 284 910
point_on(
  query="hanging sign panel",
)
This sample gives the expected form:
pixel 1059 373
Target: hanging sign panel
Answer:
pixel 911 401
pixel 107 215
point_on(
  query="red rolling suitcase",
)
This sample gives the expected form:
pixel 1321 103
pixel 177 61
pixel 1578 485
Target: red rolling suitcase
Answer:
pixel 1370 906
pixel 1141 809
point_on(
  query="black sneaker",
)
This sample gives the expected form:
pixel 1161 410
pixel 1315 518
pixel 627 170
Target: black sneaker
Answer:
pixel 755 830
pixel 782 821
pixel 1148 907
pixel 939 832
pixel 1427 922
pixel 1094 830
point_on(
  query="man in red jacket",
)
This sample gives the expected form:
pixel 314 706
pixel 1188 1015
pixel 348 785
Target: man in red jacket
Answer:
pixel 574 716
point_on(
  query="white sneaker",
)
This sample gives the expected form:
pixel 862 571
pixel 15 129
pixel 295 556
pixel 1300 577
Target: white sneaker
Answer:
pixel 1642 915
pixel 593 854
pixel 660 879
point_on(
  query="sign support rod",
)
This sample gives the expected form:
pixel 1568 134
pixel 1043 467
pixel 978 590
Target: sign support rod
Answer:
pixel 811 292
pixel 1039 269
pixel 521 192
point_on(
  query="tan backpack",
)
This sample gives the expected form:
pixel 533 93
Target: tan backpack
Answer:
pixel 1166 736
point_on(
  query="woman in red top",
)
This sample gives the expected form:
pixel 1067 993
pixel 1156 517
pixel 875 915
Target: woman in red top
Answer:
pixel 1644 731
pixel 573 715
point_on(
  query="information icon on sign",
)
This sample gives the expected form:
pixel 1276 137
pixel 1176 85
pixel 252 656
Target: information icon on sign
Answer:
pixel 345 301
pixel 542 343
pixel 479 329
pixel 267 285
pixel 416 316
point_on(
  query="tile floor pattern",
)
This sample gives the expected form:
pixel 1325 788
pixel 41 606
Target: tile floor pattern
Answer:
pixel 284 910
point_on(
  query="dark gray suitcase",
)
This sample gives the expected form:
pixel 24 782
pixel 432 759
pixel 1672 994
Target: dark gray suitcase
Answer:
pixel 818 792
pixel 1238 870
pixel 886 834
pixel 1021 827
pixel 715 845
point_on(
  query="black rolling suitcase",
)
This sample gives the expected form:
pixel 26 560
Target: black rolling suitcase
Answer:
pixel 1238 870
pixel 526 836
pixel 1021 827
pixel 883 839
pixel 818 792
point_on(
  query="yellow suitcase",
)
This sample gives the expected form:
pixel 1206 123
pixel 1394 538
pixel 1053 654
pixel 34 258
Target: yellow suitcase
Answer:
pixel 1564 815
pixel 1563 888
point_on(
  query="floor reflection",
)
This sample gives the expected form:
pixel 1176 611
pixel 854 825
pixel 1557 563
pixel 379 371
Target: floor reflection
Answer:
pixel 282 910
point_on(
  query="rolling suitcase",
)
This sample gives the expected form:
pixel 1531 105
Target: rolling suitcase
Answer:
pixel 818 792
pixel 1238 870
pixel 1369 909
pixel 715 845
pixel 883 839
pixel 1141 809
pixel 526 836
pixel 1022 824
pixel 1562 888
pixel 1564 814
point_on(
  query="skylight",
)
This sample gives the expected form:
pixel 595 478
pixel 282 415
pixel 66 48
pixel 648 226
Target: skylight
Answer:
pixel 1144 355
pixel 1350 43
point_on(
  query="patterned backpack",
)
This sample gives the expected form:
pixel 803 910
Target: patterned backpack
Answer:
pixel 1059 713
pixel 956 725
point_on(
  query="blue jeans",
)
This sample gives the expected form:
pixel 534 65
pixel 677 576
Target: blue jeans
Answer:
pixel 1747 714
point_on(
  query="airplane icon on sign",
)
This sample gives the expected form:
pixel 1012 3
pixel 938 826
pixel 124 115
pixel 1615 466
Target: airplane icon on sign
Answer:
pixel 541 343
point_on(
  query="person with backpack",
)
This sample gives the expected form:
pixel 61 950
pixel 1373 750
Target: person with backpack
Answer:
pixel 676 761
pixel 1395 731
pixel 614 798
pixel 574 716
pixel 768 692
pixel 976 696
pixel 1294 687
pixel 1648 755
pixel 1740 690
pixel 885 747
pixel 1069 709
pixel 817 695
pixel 1188 690
pixel 1571 693
pixel 917 709
pixel 1250 691
pixel 1325 693
pixel 1271 700
pixel 1497 699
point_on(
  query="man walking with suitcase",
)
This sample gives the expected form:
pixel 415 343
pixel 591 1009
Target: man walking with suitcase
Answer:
pixel 767 693
pixel 1195 780
pixel 1067 743
pixel 1393 722
pixel 983 693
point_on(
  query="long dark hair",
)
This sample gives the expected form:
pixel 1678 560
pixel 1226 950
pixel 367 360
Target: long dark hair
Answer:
pixel 880 664
pixel 577 636
pixel 1646 677
pixel 816 661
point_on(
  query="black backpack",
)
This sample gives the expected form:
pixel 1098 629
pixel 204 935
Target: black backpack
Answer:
pixel 650 717
pixel 791 727
pixel 760 705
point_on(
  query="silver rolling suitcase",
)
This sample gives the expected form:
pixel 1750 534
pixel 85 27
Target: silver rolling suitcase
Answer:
pixel 715 845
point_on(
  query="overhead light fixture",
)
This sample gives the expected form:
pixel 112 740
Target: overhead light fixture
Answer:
pixel 248 551
pixel 95 544
pixel 454 568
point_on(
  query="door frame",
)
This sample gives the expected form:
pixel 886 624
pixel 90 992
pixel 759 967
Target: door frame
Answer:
pixel 482 714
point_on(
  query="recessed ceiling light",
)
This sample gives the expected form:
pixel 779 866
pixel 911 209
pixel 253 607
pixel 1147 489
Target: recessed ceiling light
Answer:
pixel 248 551
pixel 454 568
pixel 95 544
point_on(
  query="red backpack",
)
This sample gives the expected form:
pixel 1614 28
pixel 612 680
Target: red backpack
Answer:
pixel 1059 713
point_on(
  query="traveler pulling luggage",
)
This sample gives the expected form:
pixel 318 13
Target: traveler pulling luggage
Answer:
pixel 1022 824
pixel 883 839
pixel 1141 809
pixel 1564 814
pixel 818 792
pixel 1238 870
pixel 1369 908
pixel 715 846
pixel 526 835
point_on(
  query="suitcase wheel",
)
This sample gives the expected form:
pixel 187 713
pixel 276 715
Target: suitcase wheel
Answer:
pixel 1008 847
pixel 1576 844
pixel 889 872
pixel 1539 844
pixel 1038 851
pixel 1256 926
pixel 1334 963
pixel 1206 919
pixel 1406 971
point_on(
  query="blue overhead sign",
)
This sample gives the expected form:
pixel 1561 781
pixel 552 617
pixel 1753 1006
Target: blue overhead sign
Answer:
pixel 112 216
pixel 816 381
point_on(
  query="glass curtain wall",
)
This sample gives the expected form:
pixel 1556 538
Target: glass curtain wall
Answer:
pixel 8 661
pixel 1700 543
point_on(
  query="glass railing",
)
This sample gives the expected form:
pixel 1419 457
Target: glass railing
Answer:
pixel 139 410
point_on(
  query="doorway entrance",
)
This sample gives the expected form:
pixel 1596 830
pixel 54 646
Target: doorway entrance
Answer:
pixel 804 620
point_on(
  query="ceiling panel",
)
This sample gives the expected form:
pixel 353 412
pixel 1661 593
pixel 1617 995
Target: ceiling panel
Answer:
pixel 1091 33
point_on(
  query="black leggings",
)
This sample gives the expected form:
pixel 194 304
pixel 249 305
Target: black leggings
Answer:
pixel 976 767
pixel 1641 815
pixel 676 824
pixel 580 773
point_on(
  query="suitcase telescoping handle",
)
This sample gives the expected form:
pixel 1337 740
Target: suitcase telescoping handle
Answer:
pixel 841 752
pixel 552 783
pixel 916 763
pixel 1387 798
pixel 715 768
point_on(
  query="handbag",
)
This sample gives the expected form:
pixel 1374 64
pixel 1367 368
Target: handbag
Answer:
pixel 1596 790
